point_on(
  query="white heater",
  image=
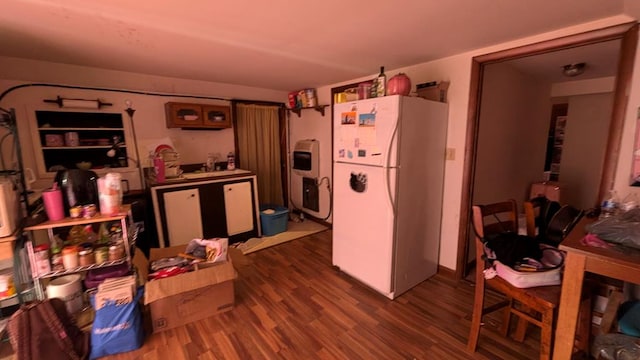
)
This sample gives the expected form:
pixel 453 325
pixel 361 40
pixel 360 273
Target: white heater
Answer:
pixel 306 158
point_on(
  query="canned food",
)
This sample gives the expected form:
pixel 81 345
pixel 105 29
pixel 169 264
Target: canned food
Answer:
pixel 116 252
pixel 102 254
pixel 43 265
pixel 70 257
pixel 56 259
pixel 85 257
pixel 75 212
pixel 89 211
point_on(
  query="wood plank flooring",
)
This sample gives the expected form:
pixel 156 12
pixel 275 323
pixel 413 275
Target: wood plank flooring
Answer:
pixel 292 304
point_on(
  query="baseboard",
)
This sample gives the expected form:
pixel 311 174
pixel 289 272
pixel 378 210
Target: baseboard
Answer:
pixel 446 272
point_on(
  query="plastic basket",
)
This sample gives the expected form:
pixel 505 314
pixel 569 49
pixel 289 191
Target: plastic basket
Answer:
pixel 275 223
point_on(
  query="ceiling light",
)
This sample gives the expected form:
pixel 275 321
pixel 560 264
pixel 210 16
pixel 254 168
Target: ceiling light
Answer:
pixel 573 69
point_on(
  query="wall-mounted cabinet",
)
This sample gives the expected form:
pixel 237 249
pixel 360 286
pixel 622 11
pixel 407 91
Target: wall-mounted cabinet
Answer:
pixel 197 116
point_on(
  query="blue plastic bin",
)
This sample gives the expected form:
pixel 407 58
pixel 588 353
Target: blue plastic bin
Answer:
pixel 274 223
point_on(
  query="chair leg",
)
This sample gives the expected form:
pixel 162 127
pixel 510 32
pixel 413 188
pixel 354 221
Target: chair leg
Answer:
pixel 506 318
pixel 546 335
pixel 521 330
pixel 476 317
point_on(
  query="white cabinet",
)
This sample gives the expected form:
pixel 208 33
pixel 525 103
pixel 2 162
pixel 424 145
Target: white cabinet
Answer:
pixel 225 206
pixel 182 209
pixel 237 207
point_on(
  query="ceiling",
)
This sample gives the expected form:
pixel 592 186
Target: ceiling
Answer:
pixel 276 44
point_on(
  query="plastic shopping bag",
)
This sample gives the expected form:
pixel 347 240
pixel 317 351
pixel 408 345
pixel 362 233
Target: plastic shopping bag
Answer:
pixel 117 328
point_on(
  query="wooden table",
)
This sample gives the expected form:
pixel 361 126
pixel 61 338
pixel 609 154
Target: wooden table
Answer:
pixel 612 262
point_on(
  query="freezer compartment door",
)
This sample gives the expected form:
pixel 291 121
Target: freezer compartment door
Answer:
pixel 365 131
pixel 363 224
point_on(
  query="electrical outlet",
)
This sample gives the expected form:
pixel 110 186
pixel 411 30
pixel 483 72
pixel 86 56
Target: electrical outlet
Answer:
pixel 450 154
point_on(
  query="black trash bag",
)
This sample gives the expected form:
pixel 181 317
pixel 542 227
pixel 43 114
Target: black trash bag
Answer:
pixel 623 229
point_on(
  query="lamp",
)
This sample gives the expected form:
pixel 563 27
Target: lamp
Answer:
pixel 78 103
pixel 130 111
pixel 573 69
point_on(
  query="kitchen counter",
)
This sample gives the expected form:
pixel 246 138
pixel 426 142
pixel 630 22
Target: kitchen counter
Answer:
pixel 203 176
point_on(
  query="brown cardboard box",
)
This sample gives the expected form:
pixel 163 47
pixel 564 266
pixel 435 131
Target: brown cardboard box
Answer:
pixel 6 247
pixel 435 90
pixel 188 297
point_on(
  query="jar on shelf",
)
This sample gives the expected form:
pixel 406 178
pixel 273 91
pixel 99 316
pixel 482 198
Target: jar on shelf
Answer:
pixel 101 254
pixel 116 251
pixel 56 259
pixel 43 265
pixel 70 257
pixel 86 257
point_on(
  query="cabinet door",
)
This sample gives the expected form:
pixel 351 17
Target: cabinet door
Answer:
pixel 184 221
pixel 183 115
pixel 238 207
pixel 216 116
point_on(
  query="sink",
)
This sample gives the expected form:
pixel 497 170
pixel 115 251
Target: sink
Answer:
pixel 213 174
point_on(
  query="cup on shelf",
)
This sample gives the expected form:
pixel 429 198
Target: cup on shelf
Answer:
pixel 71 138
pixel 53 204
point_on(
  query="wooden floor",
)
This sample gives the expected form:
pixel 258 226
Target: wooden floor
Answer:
pixel 292 304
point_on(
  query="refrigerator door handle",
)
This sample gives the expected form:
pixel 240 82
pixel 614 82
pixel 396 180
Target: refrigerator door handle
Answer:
pixel 388 175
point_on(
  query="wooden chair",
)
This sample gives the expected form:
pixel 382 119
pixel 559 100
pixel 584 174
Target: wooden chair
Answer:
pixel 534 214
pixel 536 305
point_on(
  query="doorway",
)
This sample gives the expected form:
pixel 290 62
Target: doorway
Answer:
pixel 626 33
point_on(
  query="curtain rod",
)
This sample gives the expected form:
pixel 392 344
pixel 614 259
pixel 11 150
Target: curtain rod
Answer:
pixel 138 92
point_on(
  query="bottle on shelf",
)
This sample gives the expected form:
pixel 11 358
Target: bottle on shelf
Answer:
pixel 158 167
pixel 231 161
pixel 609 205
pixel 381 83
pixel 211 162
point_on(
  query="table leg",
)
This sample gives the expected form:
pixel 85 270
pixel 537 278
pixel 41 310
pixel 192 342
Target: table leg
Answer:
pixel 569 306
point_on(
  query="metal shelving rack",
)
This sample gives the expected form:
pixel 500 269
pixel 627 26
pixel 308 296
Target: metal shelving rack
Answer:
pixel 22 280
pixel 129 237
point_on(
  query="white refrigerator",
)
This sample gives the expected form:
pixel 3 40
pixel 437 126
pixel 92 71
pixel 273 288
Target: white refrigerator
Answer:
pixel 388 172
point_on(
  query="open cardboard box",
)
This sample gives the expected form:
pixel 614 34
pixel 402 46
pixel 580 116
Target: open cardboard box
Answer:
pixel 187 297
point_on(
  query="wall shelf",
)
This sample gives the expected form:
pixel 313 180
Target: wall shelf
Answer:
pixel 318 108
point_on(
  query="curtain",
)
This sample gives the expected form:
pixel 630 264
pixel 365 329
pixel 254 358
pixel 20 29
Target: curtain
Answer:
pixel 258 141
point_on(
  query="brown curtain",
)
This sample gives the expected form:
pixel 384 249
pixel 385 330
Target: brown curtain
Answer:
pixel 258 141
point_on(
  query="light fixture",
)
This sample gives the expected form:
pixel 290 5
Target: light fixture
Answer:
pixel 573 69
pixel 130 111
pixel 78 103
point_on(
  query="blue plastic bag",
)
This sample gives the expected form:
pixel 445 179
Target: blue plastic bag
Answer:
pixel 117 328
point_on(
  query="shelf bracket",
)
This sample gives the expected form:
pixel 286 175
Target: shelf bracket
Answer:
pixel 318 108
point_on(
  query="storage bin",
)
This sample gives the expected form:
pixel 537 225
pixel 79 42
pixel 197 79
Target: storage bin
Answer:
pixel 274 223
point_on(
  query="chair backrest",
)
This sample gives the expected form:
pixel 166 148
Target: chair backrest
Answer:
pixel 534 211
pixel 492 219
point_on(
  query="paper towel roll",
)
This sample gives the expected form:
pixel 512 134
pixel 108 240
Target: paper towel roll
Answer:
pixel 85 104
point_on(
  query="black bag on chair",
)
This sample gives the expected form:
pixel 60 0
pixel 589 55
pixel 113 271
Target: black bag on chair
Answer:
pixel 511 248
pixel 561 224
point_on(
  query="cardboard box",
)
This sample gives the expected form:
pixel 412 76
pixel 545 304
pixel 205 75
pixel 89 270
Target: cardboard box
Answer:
pixel 187 297
pixel 435 90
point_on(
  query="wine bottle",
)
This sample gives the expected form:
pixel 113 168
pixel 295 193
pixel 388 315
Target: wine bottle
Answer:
pixel 381 83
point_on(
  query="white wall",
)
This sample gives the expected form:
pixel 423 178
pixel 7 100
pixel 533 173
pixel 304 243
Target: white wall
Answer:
pixel 149 119
pixel 584 147
pixel 512 135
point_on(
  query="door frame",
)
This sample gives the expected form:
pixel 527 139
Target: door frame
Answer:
pixel 627 33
